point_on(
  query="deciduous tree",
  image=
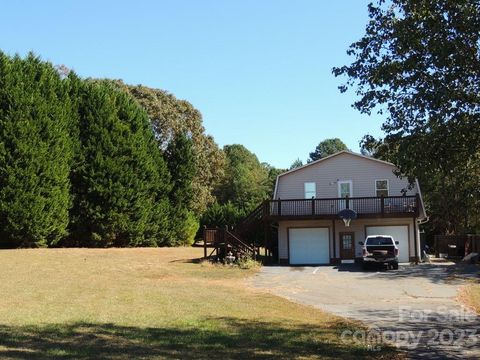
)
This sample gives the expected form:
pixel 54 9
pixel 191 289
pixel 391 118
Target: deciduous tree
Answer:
pixel 419 65
pixel 170 117
pixel 246 181
pixel 327 147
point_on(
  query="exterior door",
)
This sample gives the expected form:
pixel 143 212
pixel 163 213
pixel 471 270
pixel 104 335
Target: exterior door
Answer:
pixel 347 246
pixel 344 190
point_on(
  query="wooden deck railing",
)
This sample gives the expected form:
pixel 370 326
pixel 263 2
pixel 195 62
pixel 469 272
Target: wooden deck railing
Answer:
pixel 381 206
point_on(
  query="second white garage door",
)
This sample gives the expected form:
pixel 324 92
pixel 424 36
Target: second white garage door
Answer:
pixel 309 246
pixel 399 233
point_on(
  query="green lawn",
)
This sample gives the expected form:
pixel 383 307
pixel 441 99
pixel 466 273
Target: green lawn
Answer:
pixel 153 303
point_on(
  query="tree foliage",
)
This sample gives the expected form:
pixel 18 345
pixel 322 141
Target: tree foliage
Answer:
pixel 297 163
pixel 171 117
pixel 246 181
pixel 273 173
pixel 327 147
pixel 122 182
pixel 222 215
pixel 35 153
pixel 419 65
pixel 181 164
pixel 85 163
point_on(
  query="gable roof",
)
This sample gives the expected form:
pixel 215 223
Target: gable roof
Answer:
pixel 326 158
pixel 333 155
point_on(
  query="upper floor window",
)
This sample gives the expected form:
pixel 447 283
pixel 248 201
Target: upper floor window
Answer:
pixel 310 190
pixel 381 187
pixel 345 188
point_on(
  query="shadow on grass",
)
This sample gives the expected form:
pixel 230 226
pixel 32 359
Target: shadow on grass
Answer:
pixel 188 261
pixel 218 338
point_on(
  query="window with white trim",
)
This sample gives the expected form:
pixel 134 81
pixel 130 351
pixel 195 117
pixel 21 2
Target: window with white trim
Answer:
pixel 310 190
pixel 381 187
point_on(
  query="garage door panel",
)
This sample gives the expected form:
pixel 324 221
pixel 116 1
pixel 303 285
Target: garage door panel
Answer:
pixel 399 233
pixel 309 246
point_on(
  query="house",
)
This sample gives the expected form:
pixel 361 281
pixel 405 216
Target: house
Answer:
pixel 307 201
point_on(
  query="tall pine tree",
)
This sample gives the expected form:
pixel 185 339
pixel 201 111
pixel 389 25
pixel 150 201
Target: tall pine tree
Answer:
pixel 181 163
pixel 122 182
pixel 35 153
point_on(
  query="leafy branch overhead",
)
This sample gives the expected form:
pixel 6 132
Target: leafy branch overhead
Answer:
pixel 418 65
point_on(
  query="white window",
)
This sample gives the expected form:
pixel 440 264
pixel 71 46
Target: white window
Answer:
pixel 381 187
pixel 310 190
pixel 345 188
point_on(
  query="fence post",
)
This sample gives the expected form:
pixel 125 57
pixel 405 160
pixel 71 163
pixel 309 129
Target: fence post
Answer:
pixel 225 241
pixel 205 241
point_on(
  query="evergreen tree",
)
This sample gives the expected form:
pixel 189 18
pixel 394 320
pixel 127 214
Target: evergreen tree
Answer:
pixel 35 153
pixel 181 164
pixel 297 163
pixel 122 182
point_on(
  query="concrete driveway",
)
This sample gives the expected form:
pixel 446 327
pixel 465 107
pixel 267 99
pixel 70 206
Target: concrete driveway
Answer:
pixel 415 307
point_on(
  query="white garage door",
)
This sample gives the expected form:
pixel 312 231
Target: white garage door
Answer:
pixel 309 246
pixel 399 233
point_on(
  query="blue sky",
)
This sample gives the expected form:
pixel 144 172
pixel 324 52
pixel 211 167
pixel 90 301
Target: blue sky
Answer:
pixel 259 71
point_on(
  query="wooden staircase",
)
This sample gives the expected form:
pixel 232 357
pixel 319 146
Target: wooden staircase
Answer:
pixel 242 241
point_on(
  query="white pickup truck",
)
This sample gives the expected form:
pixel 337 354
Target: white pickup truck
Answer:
pixel 380 249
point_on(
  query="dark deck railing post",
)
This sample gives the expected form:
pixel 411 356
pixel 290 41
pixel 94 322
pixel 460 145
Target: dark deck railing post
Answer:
pixel 279 207
pixel 382 205
pixel 313 205
pixel 347 202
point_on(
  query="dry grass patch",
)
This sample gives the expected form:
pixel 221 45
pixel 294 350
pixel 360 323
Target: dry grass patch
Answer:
pixel 470 295
pixel 153 303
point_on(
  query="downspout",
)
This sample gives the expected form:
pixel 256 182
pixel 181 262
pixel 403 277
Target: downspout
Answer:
pixel 415 239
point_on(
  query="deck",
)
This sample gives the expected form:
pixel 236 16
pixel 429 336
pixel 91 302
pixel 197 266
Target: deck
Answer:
pixel 365 207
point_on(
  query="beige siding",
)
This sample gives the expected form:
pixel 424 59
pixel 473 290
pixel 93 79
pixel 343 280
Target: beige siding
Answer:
pixel 356 226
pixel 361 171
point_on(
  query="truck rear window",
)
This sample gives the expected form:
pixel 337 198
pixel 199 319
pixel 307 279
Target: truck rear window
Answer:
pixel 379 241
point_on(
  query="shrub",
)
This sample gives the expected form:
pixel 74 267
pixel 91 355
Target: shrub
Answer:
pixel 221 215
